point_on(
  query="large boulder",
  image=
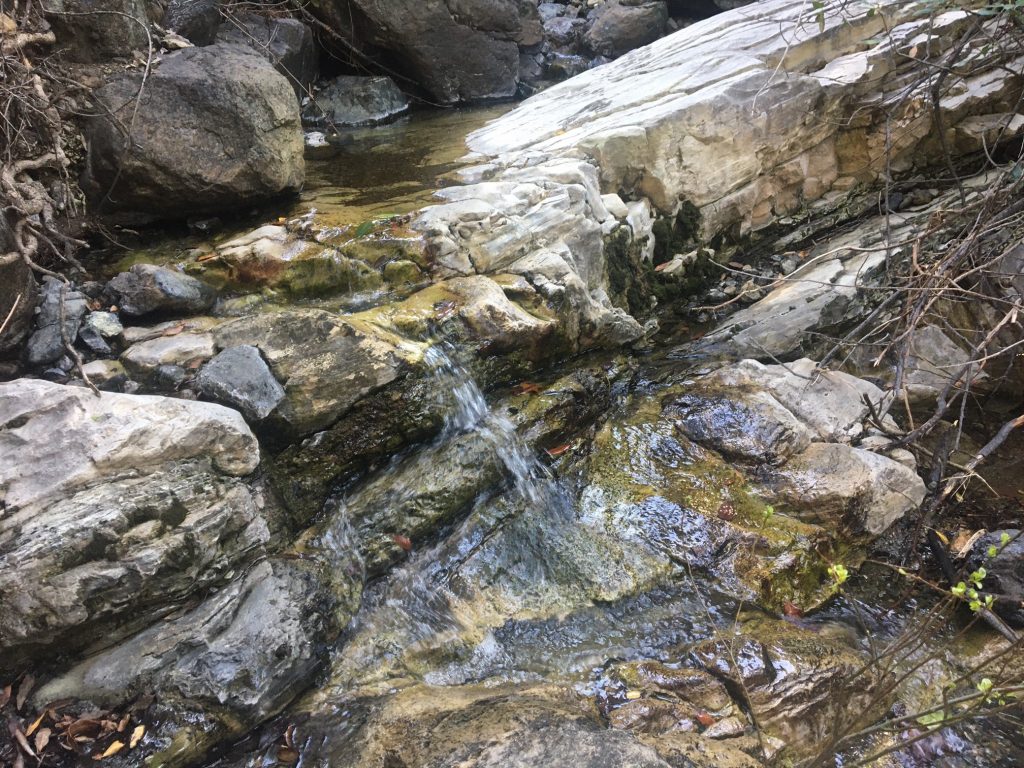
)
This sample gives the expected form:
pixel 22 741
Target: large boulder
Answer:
pixel 214 128
pixel 287 43
pixel 147 289
pixel 195 20
pixel 458 50
pixel 114 503
pixel 94 31
pixel 621 26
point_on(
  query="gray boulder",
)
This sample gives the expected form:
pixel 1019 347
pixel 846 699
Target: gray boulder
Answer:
pixel 350 100
pixel 620 26
pixel 458 50
pixel 239 377
pixel 216 128
pixel 196 20
pixel 147 288
pixel 287 43
pixel 46 345
pixel 94 31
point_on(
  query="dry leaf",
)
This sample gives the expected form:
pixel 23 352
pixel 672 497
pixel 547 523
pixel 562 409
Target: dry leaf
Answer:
pixel 123 723
pixel 174 330
pixel 403 541
pixel 287 755
pixel 23 690
pixel 207 257
pixel 791 609
pixel 19 761
pixel 558 450
pixel 113 749
pixel 526 388
pixel 36 724
pixel 137 734
pixel 42 739
pixel 704 718
pixel 912 53
pixel 632 695
pixel 19 737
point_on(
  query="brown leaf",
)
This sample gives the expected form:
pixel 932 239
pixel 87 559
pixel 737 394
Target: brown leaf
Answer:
pixel 174 330
pixel 526 388
pixel 403 541
pixel 113 749
pixel 24 689
pixel 287 755
pixel 42 739
pixel 84 728
pixel 791 609
pixel 704 718
pixel 123 723
pixel 289 735
pixel 38 721
pixel 207 257
pixel 19 761
pixel 137 734
pixel 558 450
pixel 19 736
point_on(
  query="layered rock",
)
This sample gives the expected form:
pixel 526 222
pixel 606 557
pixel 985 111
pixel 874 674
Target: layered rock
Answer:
pixel 113 503
pixel 214 128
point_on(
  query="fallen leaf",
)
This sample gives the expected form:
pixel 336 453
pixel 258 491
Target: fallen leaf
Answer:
pixel 704 718
pixel 792 609
pixel 42 739
pixel 174 330
pixel 23 690
pixel 38 721
pixel 113 749
pixel 137 734
pixel 19 761
pixel 526 388
pixel 207 257
pixel 19 736
pixel 558 450
pixel 289 735
pixel 287 755
pixel 403 541
pixel 632 695
pixel 123 723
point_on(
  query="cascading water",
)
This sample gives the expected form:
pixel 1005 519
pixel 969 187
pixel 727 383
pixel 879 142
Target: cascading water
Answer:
pixel 466 410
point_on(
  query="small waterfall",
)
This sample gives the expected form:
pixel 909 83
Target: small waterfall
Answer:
pixel 466 410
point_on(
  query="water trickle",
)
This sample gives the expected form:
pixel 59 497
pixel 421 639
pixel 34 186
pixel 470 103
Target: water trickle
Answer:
pixel 466 410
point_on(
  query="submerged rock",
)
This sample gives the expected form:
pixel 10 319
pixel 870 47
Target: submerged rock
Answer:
pixel 349 101
pixel 216 128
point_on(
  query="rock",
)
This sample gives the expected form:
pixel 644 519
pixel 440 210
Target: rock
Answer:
pixel 287 43
pixel 619 27
pixel 847 488
pixel 196 20
pixel 222 668
pixel 240 378
pixel 113 503
pixel 465 55
pixel 94 31
pixel 1005 572
pixel 55 438
pixel 797 682
pixel 216 129
pixel 46 345
pixel 104 372
pixel 184 349
pixel 349 101
pixel 18 291
pixel 147 289
pixel 94 341
pixel 480 726
pixel 106 324
pixel 934 359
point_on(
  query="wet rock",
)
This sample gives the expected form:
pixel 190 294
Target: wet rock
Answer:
pixel 225 666
pixel 148 288
pixel 287 43
pixel 98 30
pixel 847 488
pixel 184 349
pixel 168 377
pixel 17 284
pixel 797 682
pixel 239 377
pixel 104 372
pixel 350 101
pixel 751 426
pixel 619 27
pixel 46 345
pixel 484 727
pixel 195 20
pixel 94 341
pixel 217 128
pixel 1005 572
